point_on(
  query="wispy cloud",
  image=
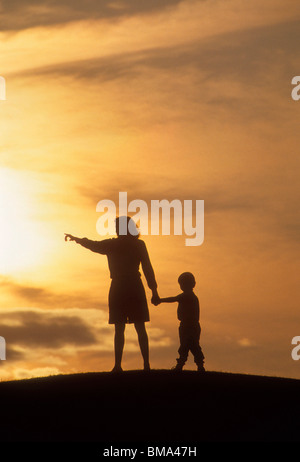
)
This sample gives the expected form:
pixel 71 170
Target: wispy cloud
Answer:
pixel 36 296
pixel 20 14
pixel 39 329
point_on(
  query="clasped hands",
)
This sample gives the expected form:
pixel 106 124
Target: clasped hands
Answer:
pixel 155 300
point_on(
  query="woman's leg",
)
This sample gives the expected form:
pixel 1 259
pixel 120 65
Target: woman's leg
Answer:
pixel 119 345
pixel 143 342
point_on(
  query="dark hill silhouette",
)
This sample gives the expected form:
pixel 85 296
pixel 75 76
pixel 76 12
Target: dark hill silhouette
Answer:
pixel 156 406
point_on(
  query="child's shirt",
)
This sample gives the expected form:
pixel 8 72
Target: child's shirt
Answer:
pixel 188 311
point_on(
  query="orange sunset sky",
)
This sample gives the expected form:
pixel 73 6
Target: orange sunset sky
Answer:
pixel 163 99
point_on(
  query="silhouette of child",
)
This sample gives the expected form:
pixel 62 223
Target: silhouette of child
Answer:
pixel 188 313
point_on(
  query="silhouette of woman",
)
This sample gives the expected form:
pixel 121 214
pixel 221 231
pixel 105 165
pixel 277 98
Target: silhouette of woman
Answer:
pixel 127 299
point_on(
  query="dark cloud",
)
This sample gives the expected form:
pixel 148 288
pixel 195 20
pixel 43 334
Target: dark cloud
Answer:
pixel 103 69
pixel 21 14
pixel 12 354
pixel 44 297
pixel 40 329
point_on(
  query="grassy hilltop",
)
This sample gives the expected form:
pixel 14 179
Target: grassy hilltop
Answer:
pixel 158 406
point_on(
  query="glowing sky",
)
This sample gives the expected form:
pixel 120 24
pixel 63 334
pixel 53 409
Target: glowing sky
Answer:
pixel 162 99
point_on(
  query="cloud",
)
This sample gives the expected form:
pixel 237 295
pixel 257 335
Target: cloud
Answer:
pixel 232 54
pixel 234 72
pixel 45 297
pixel 51 341
pixel 40 329
pixel 217 198
pixel 252 211
pixel 13 354
pixel 23 14
pixel 22 373
pixel 42 341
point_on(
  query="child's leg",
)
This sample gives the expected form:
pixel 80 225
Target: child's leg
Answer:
pixel 196 348
pixel 184 347
pixel 198 354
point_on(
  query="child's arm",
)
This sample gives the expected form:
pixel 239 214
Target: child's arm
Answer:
pixel 168 299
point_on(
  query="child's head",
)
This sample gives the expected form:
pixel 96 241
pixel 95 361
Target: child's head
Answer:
pixel 186 281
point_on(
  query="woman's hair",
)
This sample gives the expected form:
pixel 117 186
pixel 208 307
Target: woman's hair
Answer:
pixel 126 226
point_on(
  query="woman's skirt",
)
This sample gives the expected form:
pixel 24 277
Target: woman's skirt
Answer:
pixel 127 301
